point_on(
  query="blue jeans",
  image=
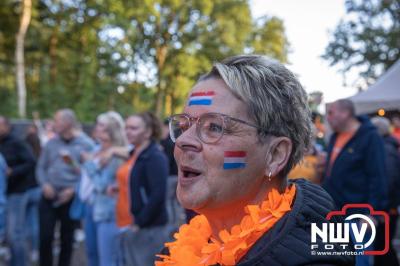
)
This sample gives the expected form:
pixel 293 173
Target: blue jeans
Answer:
pixel 363 260
pixel 101 240
pixel 3 185
pixel 32 216
pixel 121 258
pixel 16 234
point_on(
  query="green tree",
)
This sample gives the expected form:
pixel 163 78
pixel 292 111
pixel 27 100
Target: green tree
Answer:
pixel 127 55
pixel 367 39
pixel 179 41
pixel 315 100
pixel 9 23
pixel 269 38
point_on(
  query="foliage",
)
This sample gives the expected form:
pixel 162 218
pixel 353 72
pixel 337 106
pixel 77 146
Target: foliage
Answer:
pixel 79 52
pixel 368 39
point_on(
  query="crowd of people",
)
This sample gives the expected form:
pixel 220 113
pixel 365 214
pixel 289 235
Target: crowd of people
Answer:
pixel 245 127
pixel 113 185
pixel 360 164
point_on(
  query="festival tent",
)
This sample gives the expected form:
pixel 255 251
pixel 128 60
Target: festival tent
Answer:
pixel 383 94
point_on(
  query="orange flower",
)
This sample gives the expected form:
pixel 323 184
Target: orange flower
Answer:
pixel 195 246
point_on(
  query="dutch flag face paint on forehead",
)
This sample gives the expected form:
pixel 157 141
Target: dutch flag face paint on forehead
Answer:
pixel 234 159
pixel 201 98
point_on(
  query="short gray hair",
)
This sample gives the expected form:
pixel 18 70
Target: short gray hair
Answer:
pixel 114 126
pixel 68 116
pixel 382 124
pixel 347 105
pixel 274 97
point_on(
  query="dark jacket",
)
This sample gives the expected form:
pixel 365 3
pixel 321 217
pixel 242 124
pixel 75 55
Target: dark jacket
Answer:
pixel 148 187
pixel 393 170
pixel 34 142
pixel 168 146
pixel 288 242
pixel 358 175
pixel 19 157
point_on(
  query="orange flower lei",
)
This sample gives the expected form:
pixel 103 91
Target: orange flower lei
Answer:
pixel 195 246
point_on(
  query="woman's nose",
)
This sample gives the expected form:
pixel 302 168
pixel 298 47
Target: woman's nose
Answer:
pixel 188 140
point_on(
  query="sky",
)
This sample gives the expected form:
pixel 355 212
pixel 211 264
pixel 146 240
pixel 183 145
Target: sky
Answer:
pixel 307 25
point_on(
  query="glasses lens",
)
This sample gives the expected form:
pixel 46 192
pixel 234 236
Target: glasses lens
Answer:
pixel 210 128
pixel 177 125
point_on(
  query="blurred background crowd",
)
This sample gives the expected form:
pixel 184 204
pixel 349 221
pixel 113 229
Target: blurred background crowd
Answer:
pixel 106 191
pixel 70 191
pixel 107 186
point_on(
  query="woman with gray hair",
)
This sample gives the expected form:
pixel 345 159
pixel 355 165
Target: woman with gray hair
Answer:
pixel 112 119
pixel 99 222
pixel 244 126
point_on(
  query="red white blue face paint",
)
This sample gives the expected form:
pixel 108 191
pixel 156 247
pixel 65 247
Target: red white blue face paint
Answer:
pixel 234 160
pixel 201 98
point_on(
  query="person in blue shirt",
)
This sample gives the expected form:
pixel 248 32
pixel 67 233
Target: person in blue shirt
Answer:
pixel 3 184
pixel 99 222
pixel 58 172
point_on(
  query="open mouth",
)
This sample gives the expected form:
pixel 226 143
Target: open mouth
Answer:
pixel 189 172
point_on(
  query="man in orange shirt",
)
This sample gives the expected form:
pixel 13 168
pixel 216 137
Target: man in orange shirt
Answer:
pixel 355 171
pixel 396 127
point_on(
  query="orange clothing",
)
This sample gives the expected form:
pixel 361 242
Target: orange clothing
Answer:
pixel 194 242
pixel 123 214
pixel 341 141
pixel 396 134
pixel 305 169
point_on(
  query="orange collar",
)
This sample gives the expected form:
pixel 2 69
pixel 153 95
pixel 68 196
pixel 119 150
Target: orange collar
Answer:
pixel 195 246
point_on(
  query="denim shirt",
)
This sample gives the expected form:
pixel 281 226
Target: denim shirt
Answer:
pixel 101 177
pixel 3 180
pixel 3 186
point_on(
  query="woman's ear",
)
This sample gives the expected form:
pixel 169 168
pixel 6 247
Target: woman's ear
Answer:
pixel 278 155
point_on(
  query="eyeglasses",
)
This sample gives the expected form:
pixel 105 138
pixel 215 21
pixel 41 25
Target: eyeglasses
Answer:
pixel 210 127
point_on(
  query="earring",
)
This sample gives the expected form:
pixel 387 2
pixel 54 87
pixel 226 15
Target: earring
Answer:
pixel 269 176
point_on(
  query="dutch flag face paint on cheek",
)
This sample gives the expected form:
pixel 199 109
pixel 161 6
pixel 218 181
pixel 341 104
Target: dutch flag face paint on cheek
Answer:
pixel 234 160
pixel 201 98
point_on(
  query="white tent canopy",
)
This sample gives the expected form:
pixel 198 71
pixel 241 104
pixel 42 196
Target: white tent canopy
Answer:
pixel 384 93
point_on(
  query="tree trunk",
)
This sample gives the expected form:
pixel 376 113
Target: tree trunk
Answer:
pixel 173 104
pixel 158 98
pixel 19 56
pixel 161 55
